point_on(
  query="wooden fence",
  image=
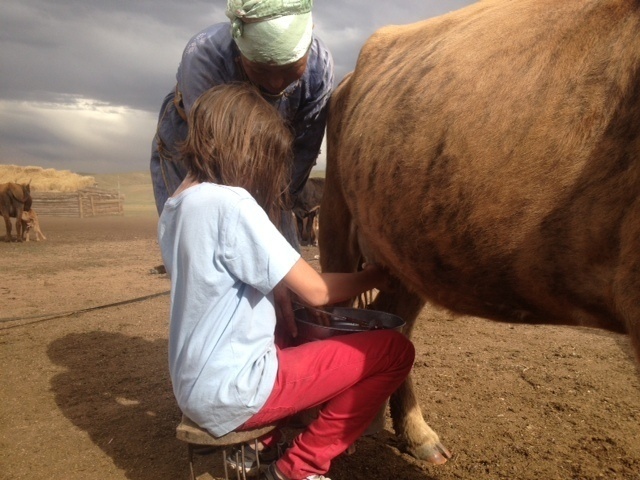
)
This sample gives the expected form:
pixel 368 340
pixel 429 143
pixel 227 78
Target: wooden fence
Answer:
pixel 89 202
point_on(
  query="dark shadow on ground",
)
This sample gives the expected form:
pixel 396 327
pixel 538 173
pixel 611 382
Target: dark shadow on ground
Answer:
pixel 117 389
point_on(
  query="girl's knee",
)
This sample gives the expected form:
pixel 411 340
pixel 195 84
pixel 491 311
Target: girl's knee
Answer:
pixel 401 348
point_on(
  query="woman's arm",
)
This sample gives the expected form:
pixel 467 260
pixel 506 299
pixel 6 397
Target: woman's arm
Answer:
pixel 325 288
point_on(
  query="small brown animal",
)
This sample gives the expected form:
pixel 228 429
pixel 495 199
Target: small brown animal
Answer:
pixel 30 222
pixel 14 199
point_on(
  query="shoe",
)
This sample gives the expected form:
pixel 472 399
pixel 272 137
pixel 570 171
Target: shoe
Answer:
pixel 251 465
pixel 272 473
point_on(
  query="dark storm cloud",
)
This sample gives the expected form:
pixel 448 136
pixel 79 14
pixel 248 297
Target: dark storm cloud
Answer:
pixel 119 52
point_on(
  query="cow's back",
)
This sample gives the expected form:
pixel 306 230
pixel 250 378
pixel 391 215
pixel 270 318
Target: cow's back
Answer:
pixel 491 157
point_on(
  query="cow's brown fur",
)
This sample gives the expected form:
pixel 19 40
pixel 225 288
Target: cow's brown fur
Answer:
pixel 490 158
pixel 30 222
pixel 14 199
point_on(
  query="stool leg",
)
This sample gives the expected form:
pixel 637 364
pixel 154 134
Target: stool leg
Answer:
pixel 238 468
pixel 224 463
pixel 193 475
pixel 255 449
pixel 240 460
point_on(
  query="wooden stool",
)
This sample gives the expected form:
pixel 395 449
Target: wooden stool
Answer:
pixel 197 438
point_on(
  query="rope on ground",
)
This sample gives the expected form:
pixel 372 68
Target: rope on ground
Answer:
pixel 53 316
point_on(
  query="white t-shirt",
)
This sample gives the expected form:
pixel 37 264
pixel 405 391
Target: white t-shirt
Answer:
pixel 224 257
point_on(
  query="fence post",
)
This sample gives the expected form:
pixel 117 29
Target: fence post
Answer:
pixel 80 205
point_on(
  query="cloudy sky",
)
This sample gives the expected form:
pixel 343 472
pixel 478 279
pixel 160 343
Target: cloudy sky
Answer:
pixel 81 81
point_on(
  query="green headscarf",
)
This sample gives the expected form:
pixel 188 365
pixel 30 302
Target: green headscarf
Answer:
pixel 275 32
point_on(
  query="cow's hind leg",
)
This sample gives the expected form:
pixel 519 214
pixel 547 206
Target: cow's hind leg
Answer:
pixel 337 241
pixel 340 252
pixel 626 287
pixel 417 437
pixel 19 231
pixel 7 224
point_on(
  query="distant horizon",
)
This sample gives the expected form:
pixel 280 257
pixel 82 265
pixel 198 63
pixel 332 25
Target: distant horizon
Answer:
pixel 124 172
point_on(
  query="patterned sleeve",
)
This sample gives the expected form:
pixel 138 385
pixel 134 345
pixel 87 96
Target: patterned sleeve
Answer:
pixel 207 61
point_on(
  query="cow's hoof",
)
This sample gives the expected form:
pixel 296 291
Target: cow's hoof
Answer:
pixel 436 454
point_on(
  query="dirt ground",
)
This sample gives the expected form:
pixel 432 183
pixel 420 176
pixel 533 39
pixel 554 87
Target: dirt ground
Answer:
pixel 85 391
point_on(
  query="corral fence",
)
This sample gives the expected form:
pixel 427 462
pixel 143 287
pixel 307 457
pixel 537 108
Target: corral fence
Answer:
pixel 88 202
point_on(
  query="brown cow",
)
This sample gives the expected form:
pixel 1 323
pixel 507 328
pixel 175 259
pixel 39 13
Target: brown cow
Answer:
pixel 490 158
pixel 14 199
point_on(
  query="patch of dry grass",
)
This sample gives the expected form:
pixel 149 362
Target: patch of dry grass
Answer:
pixel 45 179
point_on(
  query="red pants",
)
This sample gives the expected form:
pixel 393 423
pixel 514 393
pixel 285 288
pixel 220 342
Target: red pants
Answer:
pixel 351 376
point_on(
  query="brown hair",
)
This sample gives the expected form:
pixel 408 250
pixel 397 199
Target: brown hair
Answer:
pixel 237 138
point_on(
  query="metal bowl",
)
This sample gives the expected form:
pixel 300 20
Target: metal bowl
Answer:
pixel 319 324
